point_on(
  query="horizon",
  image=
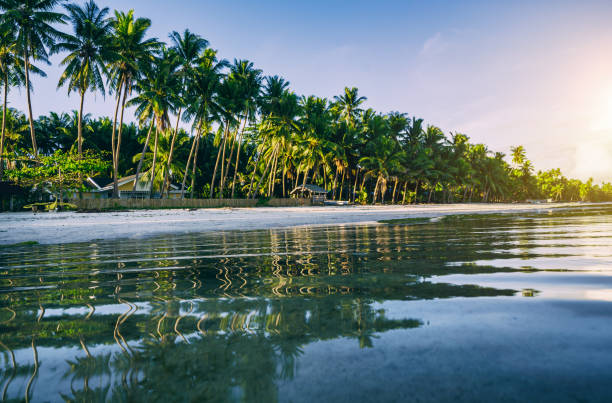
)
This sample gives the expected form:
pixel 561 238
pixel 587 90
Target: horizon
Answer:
pixel 521 80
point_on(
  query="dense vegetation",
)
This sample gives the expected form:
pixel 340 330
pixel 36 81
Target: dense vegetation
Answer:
pixel 250 135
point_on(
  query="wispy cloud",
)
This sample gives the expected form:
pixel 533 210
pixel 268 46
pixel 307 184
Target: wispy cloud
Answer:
pixel 434 45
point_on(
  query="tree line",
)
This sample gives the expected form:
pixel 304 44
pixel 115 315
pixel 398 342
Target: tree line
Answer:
pixel 249 134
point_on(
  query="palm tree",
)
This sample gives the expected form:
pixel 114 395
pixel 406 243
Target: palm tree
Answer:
pixel 202 103
pixel 348 104
pixel 156 162
pixel 156 96
pixel 249 80
pixel 188 49
pixel 32 21
pixel 12 75
pixel 135 53
pixel 89 51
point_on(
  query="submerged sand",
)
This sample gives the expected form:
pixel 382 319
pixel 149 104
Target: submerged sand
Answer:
pixel 66 227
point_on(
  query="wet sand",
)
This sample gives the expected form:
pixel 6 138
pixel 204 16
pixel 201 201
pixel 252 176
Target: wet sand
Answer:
pixel 66 227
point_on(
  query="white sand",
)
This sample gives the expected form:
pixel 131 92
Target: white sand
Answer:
pixel 67 227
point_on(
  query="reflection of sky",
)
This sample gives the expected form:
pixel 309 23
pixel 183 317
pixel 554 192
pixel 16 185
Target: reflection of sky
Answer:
pixel 505 73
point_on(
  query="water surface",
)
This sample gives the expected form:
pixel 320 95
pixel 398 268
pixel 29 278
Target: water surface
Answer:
pixel 487 307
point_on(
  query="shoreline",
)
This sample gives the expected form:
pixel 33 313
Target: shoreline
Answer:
pixel 72 227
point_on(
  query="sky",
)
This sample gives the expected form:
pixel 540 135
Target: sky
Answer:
pixel 531 73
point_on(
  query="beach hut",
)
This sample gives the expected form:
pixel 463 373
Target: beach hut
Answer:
pixel 102 188
pixel 315 193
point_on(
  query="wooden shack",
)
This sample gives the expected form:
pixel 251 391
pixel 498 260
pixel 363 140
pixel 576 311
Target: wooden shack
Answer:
pixel 317 194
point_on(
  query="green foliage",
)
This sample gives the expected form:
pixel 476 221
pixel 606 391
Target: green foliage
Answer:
pixel 251 135
pixel 58 172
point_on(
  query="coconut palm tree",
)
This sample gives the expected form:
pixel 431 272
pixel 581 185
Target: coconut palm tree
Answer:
pixel 135 53
pixel 249 80
pixel 188 49
pixel 89 51
pixel 11 70
pixel 202 103
pixel 32 22
pixel 157 97
pixel 156 162
pixel 348 104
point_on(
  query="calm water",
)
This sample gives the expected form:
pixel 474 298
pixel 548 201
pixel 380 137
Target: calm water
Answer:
pixel 488 308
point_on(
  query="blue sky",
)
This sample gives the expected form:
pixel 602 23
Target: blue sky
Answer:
pixel 536 73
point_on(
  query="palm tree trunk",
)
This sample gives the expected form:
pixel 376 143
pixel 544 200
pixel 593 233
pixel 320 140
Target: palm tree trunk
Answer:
pixel 152 180
pixel 394 189
pixel 26 61
pixel 355 187
pixel 212 183
pixel 144 150
pixel 376 190
pixel 229 158
pixel 195 164
pixel 4 103
pixel 195 138
pixel 253 175
pixel 165 185
pixel 416 190
pixel 262 177
pixel 342 183
pixel 334 185
pixel 238 157
pixel 404 195
pixel 80 126
pixel 273 175
pixel 305 176
pixel 113 146
pixel 297 179
pixel 431 192
pixel 119 131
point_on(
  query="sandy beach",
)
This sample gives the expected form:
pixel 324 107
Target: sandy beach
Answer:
pixel 66 227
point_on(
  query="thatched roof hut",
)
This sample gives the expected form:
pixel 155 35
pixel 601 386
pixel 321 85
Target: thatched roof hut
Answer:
pixel 314 192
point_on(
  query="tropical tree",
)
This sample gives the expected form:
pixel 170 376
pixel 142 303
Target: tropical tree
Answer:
pixel 11 69
pixel 202 106
pixel 157 97
pixel 188 49
pixel 31 22
pixel 135 53
pixel 89 51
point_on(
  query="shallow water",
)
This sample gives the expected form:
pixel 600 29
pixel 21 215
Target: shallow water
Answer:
pixel 487 308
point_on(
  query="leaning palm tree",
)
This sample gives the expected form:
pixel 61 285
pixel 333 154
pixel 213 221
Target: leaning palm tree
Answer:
pixel 32 23
pixel 134 52
pixel 89 51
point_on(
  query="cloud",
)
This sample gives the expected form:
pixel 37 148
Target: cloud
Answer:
pixel 434 45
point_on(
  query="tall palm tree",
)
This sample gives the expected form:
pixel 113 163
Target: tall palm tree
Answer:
pixel 249 80
pixel 348 104
pixel 135 52
pixel 32 23
pixel 11 70
pixel 156 95
pixel 89 51
pixel 202 102
pixel 188 49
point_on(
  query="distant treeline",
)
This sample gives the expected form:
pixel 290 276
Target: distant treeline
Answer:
pixel 250 135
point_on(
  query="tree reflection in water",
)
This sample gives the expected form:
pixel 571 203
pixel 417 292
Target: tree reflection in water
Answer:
pixel 221 316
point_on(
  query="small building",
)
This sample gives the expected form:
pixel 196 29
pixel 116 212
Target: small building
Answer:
pixel 315 193
pixel 102 188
